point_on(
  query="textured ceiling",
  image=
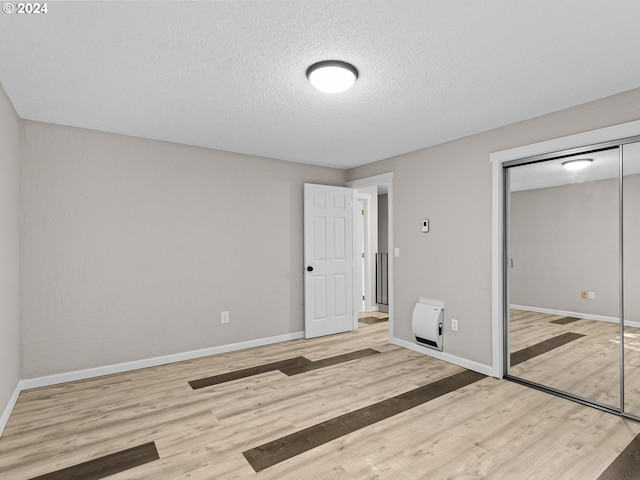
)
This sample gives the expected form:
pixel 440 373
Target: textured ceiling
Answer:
pixel 230 75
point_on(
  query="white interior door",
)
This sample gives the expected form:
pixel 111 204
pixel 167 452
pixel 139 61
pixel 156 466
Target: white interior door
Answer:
pixel 328 256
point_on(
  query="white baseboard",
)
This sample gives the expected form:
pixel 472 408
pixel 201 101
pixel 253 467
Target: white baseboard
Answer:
pixel 447 357
pixel 566 313
pixel 6 413
pixel 152 362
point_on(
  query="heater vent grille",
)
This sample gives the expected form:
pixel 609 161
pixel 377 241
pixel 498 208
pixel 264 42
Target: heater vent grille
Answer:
pixel 426 342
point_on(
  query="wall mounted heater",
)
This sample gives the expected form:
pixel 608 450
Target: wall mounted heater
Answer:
pixel 427 322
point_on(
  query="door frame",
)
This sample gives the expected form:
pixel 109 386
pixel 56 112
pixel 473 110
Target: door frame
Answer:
pixel 498 261
pixel 363 281
pixel 385 180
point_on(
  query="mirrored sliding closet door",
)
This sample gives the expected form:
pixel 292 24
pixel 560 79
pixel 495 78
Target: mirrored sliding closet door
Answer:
pixel 563 271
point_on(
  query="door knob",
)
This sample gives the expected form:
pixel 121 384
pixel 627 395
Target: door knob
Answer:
pixel 309 268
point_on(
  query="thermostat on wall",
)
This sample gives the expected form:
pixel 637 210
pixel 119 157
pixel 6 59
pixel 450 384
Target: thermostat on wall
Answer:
pixel 425 226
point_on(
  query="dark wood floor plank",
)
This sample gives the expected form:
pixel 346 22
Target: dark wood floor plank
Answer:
pixel 626 465
pixel 565 320
pixel 291 366
pixel 249 372
pixel 372 320
pixel 276 451
pixel 543 347
pixel 106 466
pixel 428 392
pixel 327 362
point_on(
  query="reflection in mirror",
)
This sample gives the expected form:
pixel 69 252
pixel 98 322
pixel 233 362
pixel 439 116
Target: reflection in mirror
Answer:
pixel 631 269
pixel 563 287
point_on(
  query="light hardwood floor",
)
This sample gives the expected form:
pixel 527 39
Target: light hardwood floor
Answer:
pixel 491 429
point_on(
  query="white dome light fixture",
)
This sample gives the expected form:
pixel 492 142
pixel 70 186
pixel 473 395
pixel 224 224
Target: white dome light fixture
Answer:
pixel 578 164
pixel 332 76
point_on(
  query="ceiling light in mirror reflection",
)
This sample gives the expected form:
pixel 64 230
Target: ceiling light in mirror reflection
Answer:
pixel 577 164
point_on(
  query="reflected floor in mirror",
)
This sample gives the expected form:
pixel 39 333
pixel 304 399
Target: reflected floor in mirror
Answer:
pixel 583 357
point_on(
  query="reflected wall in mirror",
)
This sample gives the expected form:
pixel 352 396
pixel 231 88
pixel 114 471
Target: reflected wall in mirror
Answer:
pixel 563 276
pixel 631 269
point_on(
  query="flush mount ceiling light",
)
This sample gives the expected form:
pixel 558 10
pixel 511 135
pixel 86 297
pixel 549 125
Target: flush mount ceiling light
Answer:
pixel 332 76
pixel 578 164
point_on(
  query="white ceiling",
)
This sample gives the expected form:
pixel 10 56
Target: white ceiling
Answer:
pixel 230 75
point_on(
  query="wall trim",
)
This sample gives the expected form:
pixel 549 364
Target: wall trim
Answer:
pixel 566 313
pixel 6 413
pixel 55 379
pixel 601 135
pixel 446 357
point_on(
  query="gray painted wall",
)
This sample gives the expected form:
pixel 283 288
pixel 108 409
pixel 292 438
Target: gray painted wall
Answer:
pixel 383 241
pixel 451 185
pixel 9 249
pixel 133 247
pixel 383 223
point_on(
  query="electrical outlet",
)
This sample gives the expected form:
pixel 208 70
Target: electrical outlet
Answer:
pixel 224 317
pixel 583 294
pixel 592 295
pixel 454 324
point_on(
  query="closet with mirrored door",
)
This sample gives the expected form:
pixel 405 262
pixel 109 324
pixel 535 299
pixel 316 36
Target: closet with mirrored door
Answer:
pixel 572 274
